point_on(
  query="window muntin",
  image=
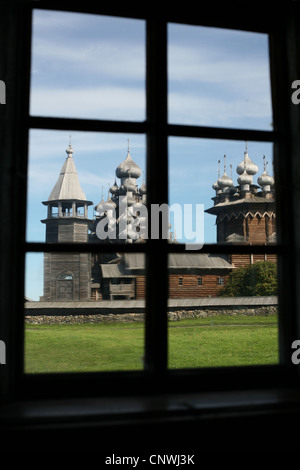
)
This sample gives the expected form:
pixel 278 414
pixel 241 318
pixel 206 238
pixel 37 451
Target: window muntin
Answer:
pixel 216 134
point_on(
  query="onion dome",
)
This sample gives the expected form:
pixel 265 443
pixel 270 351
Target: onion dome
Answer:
pixel 69 150
pixel 114 188
pixel 216 186
pixel 265 180
pixel 244 178
pixel 99 207
pixel 247 164
pixel 108 205
pixel 130 200
pixel 129 184
pixel 225 181
pixel 128 166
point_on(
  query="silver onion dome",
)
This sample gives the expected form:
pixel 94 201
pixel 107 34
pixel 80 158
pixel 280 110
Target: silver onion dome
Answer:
pixel 225 181
pixel 128 167
pixel 129 184
pixel 247 165
pixel 216 186
pixel 244 178
pixel 265 180
pixel 114 188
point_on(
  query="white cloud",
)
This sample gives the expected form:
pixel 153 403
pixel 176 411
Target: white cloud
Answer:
pixel 218 111
pixel 203 65
pixel 101 102
pixel 117 60
pixel 212 83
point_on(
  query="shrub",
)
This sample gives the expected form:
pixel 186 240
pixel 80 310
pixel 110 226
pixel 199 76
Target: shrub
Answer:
pixel 257 279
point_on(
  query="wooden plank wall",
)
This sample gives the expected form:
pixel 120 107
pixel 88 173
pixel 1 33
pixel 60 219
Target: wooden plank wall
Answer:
pixel 79 264
pixel 190 287
pixel 243 260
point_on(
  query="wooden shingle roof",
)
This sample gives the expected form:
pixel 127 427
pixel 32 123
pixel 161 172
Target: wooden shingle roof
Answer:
pixel 67 186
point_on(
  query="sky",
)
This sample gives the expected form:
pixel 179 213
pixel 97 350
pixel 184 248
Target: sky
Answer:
pixel 88 66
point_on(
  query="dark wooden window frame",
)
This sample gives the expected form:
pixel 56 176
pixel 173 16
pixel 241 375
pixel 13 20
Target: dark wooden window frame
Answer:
pixel 156 376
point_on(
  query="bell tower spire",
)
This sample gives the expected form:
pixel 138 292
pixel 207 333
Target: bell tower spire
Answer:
pixel 67 200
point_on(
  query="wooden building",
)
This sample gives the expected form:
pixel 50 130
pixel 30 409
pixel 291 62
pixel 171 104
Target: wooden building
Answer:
pixel 190 276
pixel 245 214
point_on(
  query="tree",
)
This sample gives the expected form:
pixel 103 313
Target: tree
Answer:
pixel 257 279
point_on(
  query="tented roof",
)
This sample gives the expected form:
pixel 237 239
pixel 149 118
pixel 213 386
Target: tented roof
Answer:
pixel 67 186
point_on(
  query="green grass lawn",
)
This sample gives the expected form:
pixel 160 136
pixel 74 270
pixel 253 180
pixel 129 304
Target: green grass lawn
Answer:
pixel 208 342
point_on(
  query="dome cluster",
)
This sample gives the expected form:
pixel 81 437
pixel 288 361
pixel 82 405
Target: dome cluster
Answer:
pixel 128 172
pixel 246 170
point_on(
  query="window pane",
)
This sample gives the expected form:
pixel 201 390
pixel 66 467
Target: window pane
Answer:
pixel 218 77
pixel 219 324
pixel 87 66
pixel 221 191
pixel 70 173
pixel 84 312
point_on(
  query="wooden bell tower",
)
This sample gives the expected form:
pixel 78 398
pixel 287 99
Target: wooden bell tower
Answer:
pixel 67 275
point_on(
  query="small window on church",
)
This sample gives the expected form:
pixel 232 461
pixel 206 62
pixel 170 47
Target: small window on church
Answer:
pixel 199 281
pixel 220 281
pixel 66 276
pixel 180 281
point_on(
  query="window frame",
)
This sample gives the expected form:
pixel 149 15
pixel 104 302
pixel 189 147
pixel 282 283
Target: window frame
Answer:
pixel 158 130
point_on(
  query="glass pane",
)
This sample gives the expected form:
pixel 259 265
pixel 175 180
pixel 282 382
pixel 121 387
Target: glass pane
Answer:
pixel 221 191
pixel 222 313
pixel 84 312
pixel 71 173
pixel 218 77
pixel 87 66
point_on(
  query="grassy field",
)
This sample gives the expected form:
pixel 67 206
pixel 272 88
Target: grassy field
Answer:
pixel 213 341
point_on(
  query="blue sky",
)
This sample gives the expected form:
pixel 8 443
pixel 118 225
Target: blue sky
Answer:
pixel 94 67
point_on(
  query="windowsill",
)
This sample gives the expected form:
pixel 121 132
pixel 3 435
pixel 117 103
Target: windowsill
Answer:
pixel 268 410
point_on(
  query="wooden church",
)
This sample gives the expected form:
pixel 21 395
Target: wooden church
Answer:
pixel 245 213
